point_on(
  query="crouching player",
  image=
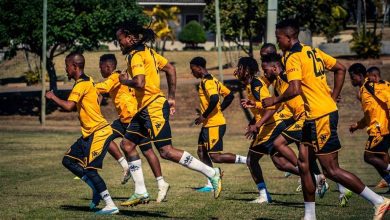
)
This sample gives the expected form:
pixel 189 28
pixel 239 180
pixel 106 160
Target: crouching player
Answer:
pixel 86 155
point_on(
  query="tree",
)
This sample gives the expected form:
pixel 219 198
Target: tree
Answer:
pixel 239 20
pixel 326 17
pixel 192 34
pixel 162 18
pixel 71 25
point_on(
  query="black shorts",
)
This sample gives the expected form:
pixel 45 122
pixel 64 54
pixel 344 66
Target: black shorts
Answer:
pixel 119 131
pixel 90 151
pixel 211 138
pixel 264 142
pixel 151 123
pixel 321 134
pixel 378 144
pixel 293 132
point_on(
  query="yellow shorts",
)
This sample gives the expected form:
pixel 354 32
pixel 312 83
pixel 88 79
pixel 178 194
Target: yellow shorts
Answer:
pixel 378 144
pixel 211 138
pixel 321 134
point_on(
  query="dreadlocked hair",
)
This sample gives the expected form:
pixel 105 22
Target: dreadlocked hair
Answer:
pixel 249 64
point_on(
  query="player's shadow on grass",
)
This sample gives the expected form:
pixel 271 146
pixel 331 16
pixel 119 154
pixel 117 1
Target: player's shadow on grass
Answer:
pixel 130 213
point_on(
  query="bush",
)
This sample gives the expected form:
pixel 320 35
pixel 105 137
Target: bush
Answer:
pixel 366 44
pixel 32 77
pixel 192 34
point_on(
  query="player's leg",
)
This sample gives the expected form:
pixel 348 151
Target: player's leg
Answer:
pixel 252 161
pixel 135 135
pixel 281 163
pixel 203 143
pixel 327 153
pixel 97 148
pixel 379 163
pixel 119 130
pixel 154 164
pixel 215 143
pixel 157 115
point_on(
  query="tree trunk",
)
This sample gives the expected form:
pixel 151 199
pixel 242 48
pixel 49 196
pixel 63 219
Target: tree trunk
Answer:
pixel 27 60
pixel 52 74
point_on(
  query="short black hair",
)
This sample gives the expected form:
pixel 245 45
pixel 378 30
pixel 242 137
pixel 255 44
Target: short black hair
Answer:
pixel 292 24
pixel 108 57
pixel 268 45
pixel 357 69
pixel 198 61
pixel 250 64
pixel 272 57
pixel 77 58
pixel 374 69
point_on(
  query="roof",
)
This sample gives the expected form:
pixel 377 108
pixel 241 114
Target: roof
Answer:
pixel 172 2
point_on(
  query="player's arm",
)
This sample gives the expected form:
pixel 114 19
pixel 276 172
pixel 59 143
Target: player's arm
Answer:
pixel 137 82
pixel 170 72
pixel 228 97
pixel 65 104
pixel 294 89
pixel 339 77
pixel 212 93
pixel 107 85
pixel 138 73
pixel 362 123
pixel 253 128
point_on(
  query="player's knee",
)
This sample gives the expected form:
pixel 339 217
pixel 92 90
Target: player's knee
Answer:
pixel 215 158
pixel 367 158
pixel 97 181
pixel 331 173
pixel 165 153
pixel 303 166
pixel 126 145
pixel 68 162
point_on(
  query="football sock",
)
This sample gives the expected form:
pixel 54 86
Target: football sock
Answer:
pixel 160 181
pixel 107 199
pixel 388 167
pixel 240 159
pixel 138 176
pixel 341 188
pixel 263 191
pixel 209 183
pixel 191 162
pixel 122 161
pixel 371 196
pixel 310 211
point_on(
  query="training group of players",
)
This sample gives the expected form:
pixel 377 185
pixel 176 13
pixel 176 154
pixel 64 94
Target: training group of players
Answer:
pixel 300 109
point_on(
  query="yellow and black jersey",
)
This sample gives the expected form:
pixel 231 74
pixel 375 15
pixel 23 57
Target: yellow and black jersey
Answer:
pixel 122 96
pixel 308 65
pixel 145 61
pixel 376 112
pixel 295 105
pixel 86 96
pixel 209 86
pixel 257 90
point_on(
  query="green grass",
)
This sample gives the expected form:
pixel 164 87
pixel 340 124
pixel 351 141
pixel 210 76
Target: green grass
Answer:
pixel 35 185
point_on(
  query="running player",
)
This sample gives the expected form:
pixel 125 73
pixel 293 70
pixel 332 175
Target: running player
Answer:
pixel 152 118
pixel 305 70
pixel 86 155
pixel 273 70
pixel 263 132
pixel 126 105
pixel 376 119
pixel 210 143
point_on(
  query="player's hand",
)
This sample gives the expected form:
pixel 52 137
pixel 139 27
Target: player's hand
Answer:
pixel 251 131
pixel 123 77
pixel 337 99
pixel 50 95
pixel 200 120
pixel 247 103
pixel 267 102
pixel 172 106
pixel 353 128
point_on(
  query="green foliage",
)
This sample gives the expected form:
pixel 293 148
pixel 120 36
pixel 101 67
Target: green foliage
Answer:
pixel 71 24
pixel 238 18
pixel 249 18
pixel 192 34
pixel 366 44
pixel 326 17
pixel 32 77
